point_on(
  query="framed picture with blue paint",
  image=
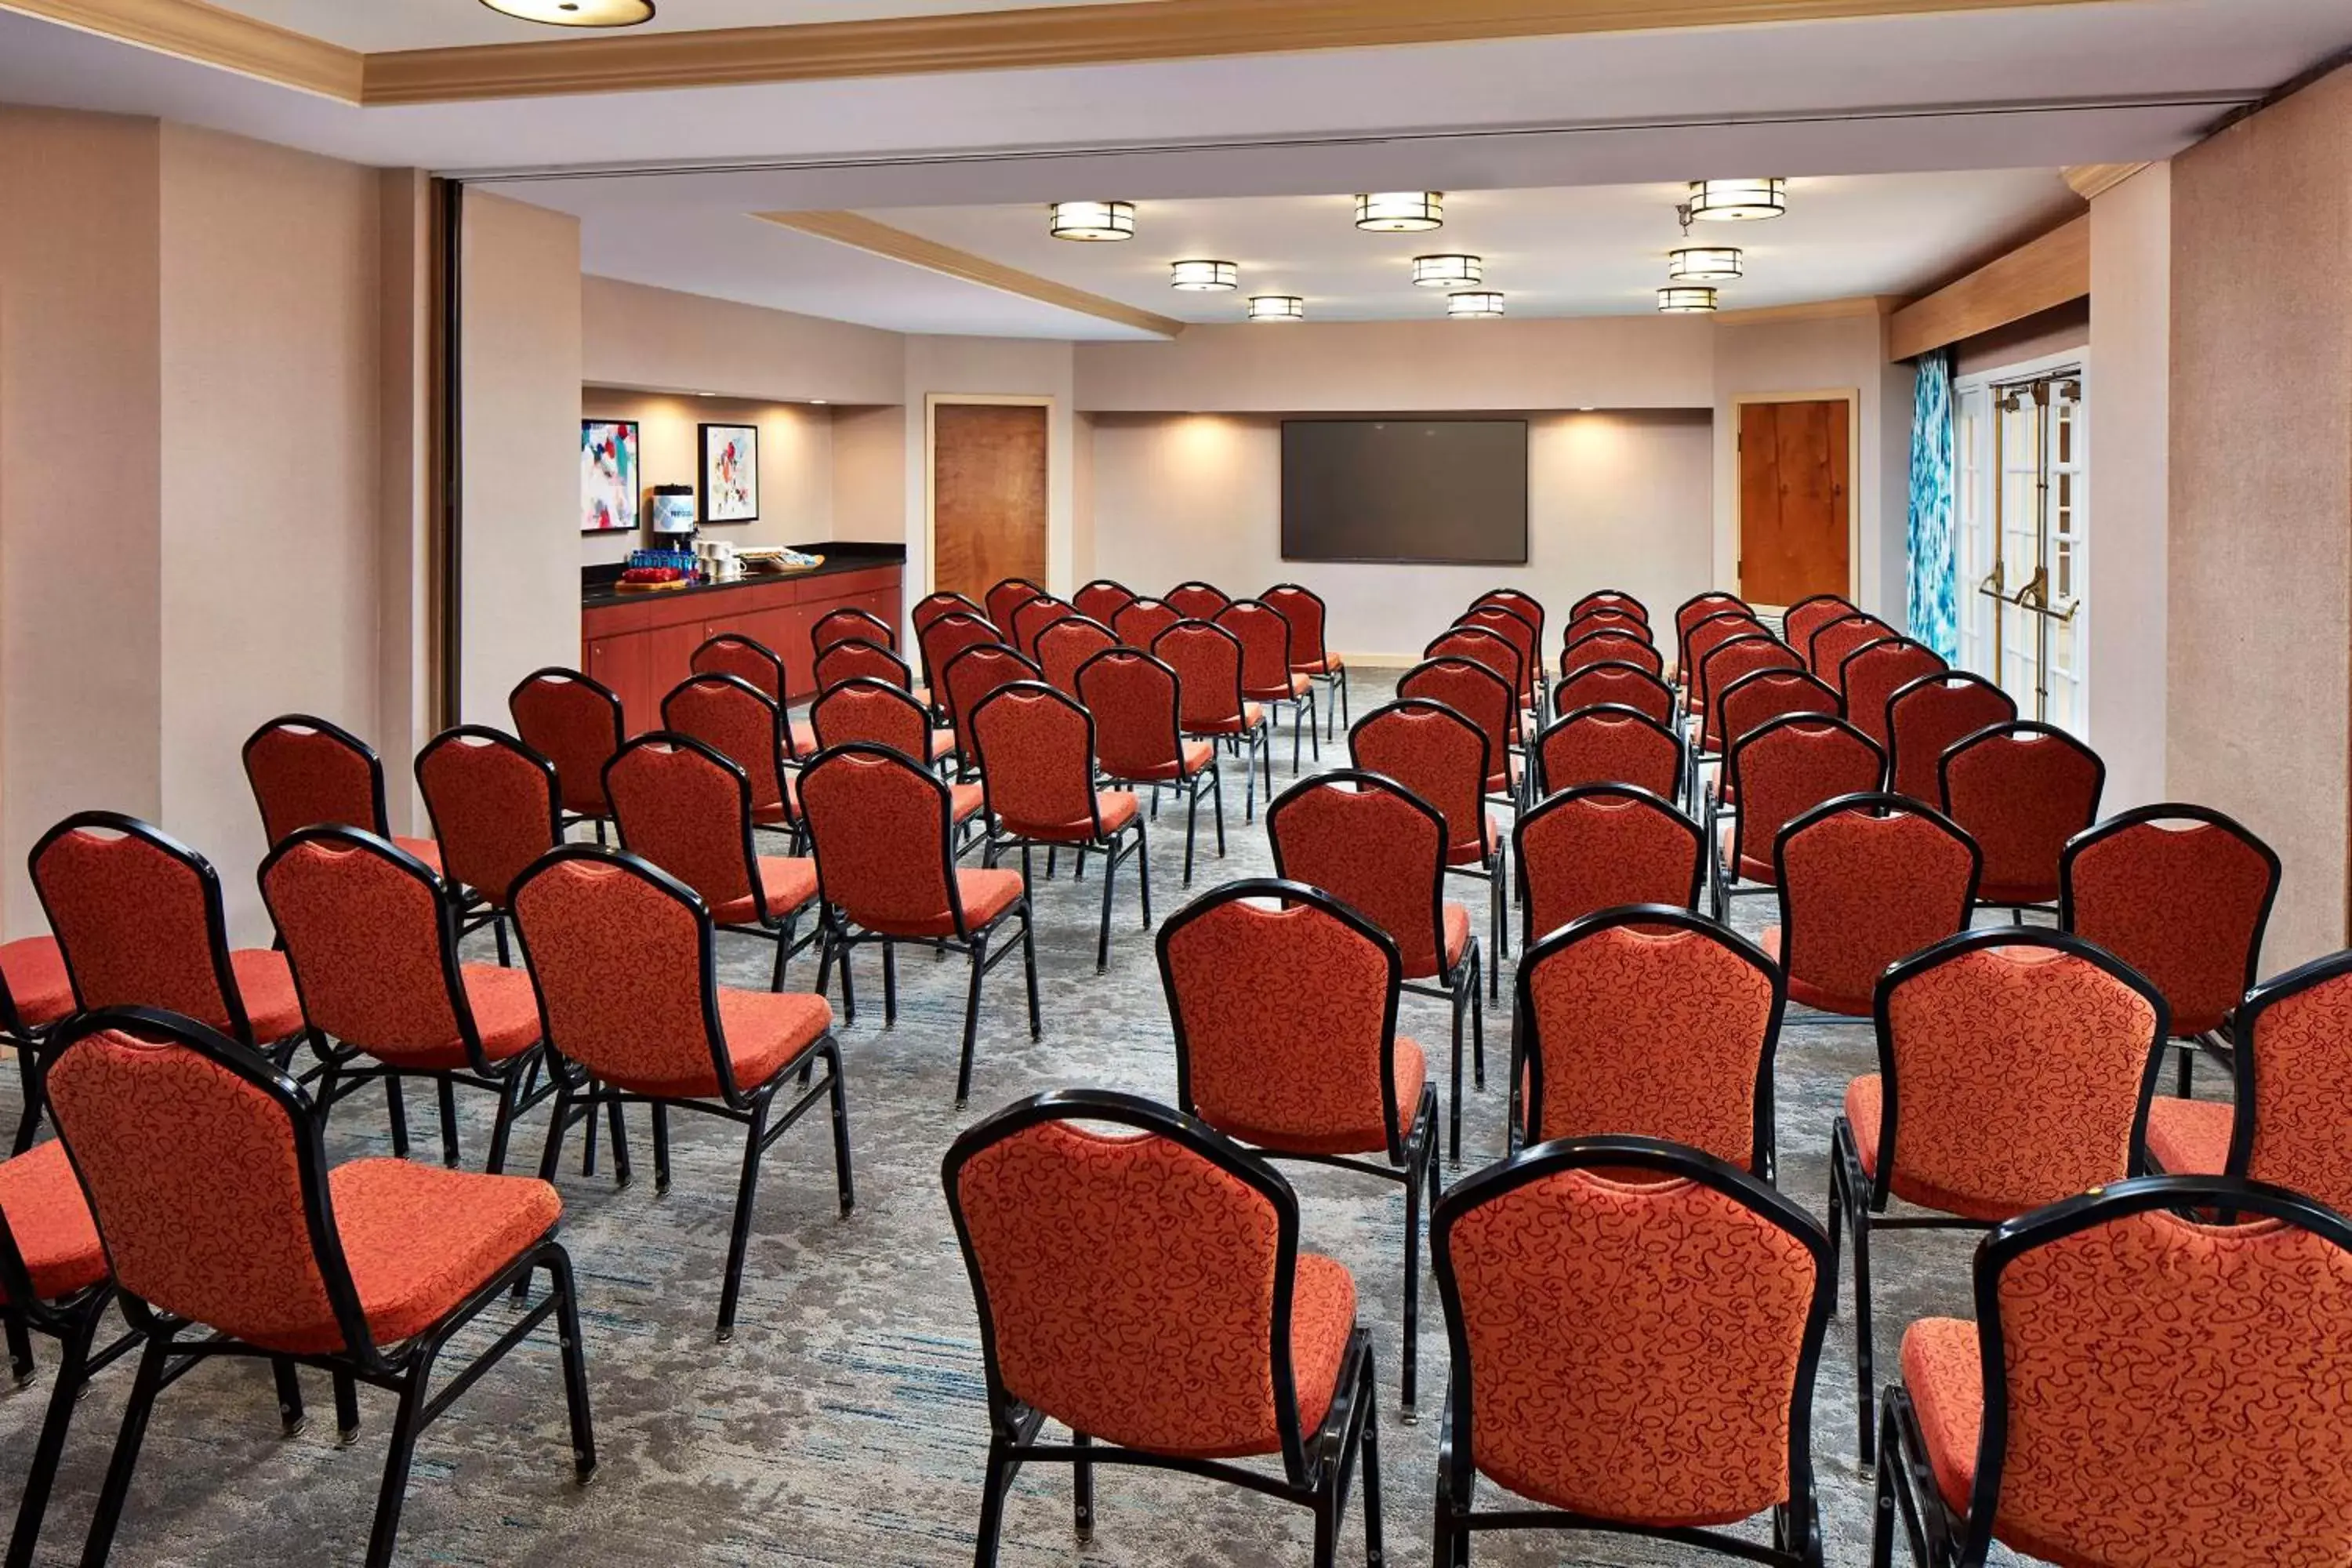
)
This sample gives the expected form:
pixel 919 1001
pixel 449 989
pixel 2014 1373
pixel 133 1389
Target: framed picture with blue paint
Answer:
pixel 730 473
pixel 611 465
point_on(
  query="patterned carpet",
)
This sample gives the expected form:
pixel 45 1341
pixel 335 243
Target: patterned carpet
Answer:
pixel 844 1424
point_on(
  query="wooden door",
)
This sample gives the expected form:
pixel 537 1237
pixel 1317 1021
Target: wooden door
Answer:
pixel 988 495
pixel 1794 505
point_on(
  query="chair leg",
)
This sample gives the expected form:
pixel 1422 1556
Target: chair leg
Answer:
pixel 783 954
pixel 1454 1105
pixel 991 1504
pixel 1217 789
pixel 396 1108
pixel 1143 872
pixel 575 1366
pixel 1858 1212
pixel 1408 1404
pixel 499 930
pixel 511 1096
pixel 393 1492
pixel 28 1066
pixel 290 1416
pixel 622 1173
pixel 971 1017
pixel 838 1095
pixel 144 1389
pixel 2188 1088
pixel 1374 1553
pixel 1029 970
pixel 1477 1018
pixel 347 1409
pixel 661 1147
pixel 20 1350
pixel 739 1239
pixel 1082 1489
pixel 889 984
pixel 73 1370
pixel 1192 829
pixel 552 1154
pixel 448 1093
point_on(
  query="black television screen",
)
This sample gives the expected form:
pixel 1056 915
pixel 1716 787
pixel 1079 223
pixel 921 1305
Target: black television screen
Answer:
pixel 1452 490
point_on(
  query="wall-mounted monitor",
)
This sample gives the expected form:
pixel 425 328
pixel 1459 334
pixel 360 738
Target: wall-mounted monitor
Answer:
pixel 1405 488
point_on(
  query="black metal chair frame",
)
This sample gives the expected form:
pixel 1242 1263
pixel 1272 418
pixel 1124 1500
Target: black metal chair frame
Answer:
pixel 579 1091
pixel 843 937
pixel 1858 1200
pixel 1301 706
pixel 1412 1157
pixel 1567 798
pixel 1332 678
pixel 1908 1497
pixel 1258 738
pixel 1317 1467
pixel 469 898
pixel 1457 986
pixel 1186 787
pixel 1796 1539
pixel 1725 882
pixel 568 819
pixel 1618 713
pixel 2065 737
pixel 381 813
pixel 405 1369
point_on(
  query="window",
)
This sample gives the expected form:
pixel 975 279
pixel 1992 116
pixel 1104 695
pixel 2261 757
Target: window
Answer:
pixel 2022 445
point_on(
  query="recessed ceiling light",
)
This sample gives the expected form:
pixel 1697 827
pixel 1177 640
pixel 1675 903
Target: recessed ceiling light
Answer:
pixel 1738 201
pixel 1204 277
pixel 1686 302
pixel 1447 271
pixel 1093 220
pixel 1704 264
pixel 817 400
pixel 1473 305
pixel 577 12
pixel 1400 212
pixel 1277 308
pixel 1584 409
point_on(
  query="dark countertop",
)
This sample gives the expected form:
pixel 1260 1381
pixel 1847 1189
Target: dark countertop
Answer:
pixel 596 589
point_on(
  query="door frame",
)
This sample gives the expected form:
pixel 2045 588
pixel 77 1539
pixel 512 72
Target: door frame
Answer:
pixel 1852 397
pixel 931 402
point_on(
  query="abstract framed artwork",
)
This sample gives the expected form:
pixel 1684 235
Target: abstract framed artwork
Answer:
pixel 611 464
pixel 730 473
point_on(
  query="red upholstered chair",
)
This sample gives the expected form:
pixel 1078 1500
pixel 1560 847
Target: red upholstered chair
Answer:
pixel 1144 1287
pixel 945 638
pixel 371 935
pixel 1588 622
pixel 1610 645
pixel 2022 790
pixel 495 807
pixel 881 714
pixel 2183 894
pixel 1871 675
pixel 1615 600
pixel 932 607
pixel 854 659
pixel 1310 1071
pixel 1379 849
pixel 1730 661
pixel 1034 616
pixel 1310 647
pixel 741 724
pixel 1865 881
pixel 1827 651
pixel 1440 756
pixel 1514 628
pixel 1763 695
pixel 1008 596
pixel 971 677
pixel 305 770
pixel 2139 1387
pixel 1068 643
pixel 1198 601
pixel 1101 599
pixel 1610 745
pixel 1479 695
pixel 1599 845
pixel 884 829
pixel 1689 613
pixel 1926 718
pixel 1524 605
pixel 1806 616
pixel 621 955
pixel 575 724
pixel 36 995
pixel 749 660
pixel 1036 751
pixel 1635 1329
pixel 850 623
pixel 1703 639
pixel 2015 1066
pixel 686 808
pixel 1778 771
pixel 1139 742
pixel 230 1236
pixel 138 922
pixel 1616 683
pixel 54 1281
pixel 1207 661
pixel 1268 672
pixel 1649 1019
pixel 1140 621
pixel 1484 644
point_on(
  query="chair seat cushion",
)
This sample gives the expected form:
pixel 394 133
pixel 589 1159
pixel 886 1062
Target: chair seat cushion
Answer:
pixel 47 1213
pixel 1193 756
pixel 804 738
pixel 1473 852
pixel 1252 716
pixel 2190 1137
pixel 1329 664
pixel 420 1240
pixel 1802 990
pixel 942 744
pixel 1864 1097
pixel 34 969
pixel 1751 869
pixel 1457 931
pixel 1116 807
pixel 964 800
pixel 1943 1371
pixel 984 894
pixel 505 1015
pixel 770 813
pixel 265 984
pixel 767 1033
pixel 1291 690
pixel 1341 1133
pixel 424 849
pixel 791 884
pixel 2036 892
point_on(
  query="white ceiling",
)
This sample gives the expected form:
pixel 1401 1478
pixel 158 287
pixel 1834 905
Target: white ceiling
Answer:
pixel 372 25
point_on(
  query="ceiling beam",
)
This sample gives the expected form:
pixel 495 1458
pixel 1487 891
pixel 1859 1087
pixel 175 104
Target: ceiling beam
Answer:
pixel 211 35
pixel 879 238
pixel 2037 275
pixel 1812 311
pixel 2090 180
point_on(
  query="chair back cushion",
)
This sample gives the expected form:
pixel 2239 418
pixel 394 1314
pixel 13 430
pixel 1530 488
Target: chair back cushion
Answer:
pixel 1698 607
pixel 1756 699
pixel 879 828
pixel 1140 621
pixel 1101 599
pixel 1305 612
pixel 1376 851
pixel 1198 601
pixel 2298 1043
pixel 1875 672
pixel 1132 697
pixel 1482 644
pixel 305 773
pixel 1726 662
pixel 1809 615
pixel 1476 693
pixel 1266 651
pixel 1782 770
pixel 1831 644
pixel 137 924
pixel 1516 630
pixel 623 970
pixel 1036 760
pixel 1066 643
pixel 1610 745
pixel 1005 599
pixel 932 607
pixel 1605 645
pixel 946 637
pixel 1034 616
pixel 1863 885
pixel 363 934
pixel 2021 792
pixel 493 807
pixel 1610 599
pixel 1436 754
pixel 687 811
pixel 739 722
pixel 1925 718
pixel 1708 635
pixel 1615 683
pixel 975 675
pixel 858 658
pixel 867 710
pixel 746 659
pixel 575 724
pixel 1527 606
pixel 1599 845
pixel 2182 898
pixel 850 623
pixel 1586 622
pixel 1207 661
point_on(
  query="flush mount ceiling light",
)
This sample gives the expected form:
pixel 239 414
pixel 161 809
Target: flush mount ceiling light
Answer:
pixel 1277 308
pixel 1686 302
pixel 1093 221
pixel 577 12
pixel 1473 305
pixel 1204 277
pixel 1400 212
pixel 1704 264
pixel 1447 271
pixel 1736 201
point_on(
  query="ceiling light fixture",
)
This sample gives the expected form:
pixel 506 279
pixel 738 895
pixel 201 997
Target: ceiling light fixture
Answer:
pixel 1687 301
pixel 1094 221
pixel 577 13
pixel 1277 308
pixel 1704 264
pixel 1204 277
pixel 1473 305
pixel 1447 271
pixel 1400 212
pixel 1736 201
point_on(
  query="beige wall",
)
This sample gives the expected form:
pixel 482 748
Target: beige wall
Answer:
pixel 795 463
pixel 657 338
pixel 1614 498
pixel 869 474
pixel 2261 524
pixel 521 427
pixel 407 614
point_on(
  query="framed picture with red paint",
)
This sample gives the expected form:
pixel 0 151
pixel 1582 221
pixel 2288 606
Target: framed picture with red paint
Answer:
pixel 610 470
pixel 730 473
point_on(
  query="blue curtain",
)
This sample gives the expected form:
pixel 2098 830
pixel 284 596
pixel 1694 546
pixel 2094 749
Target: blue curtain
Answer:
pixel 1935 587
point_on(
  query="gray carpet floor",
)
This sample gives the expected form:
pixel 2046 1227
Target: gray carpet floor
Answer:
pixel 844 1424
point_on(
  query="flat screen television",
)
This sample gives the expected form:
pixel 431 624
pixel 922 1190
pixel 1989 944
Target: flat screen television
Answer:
pixel 1406 489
